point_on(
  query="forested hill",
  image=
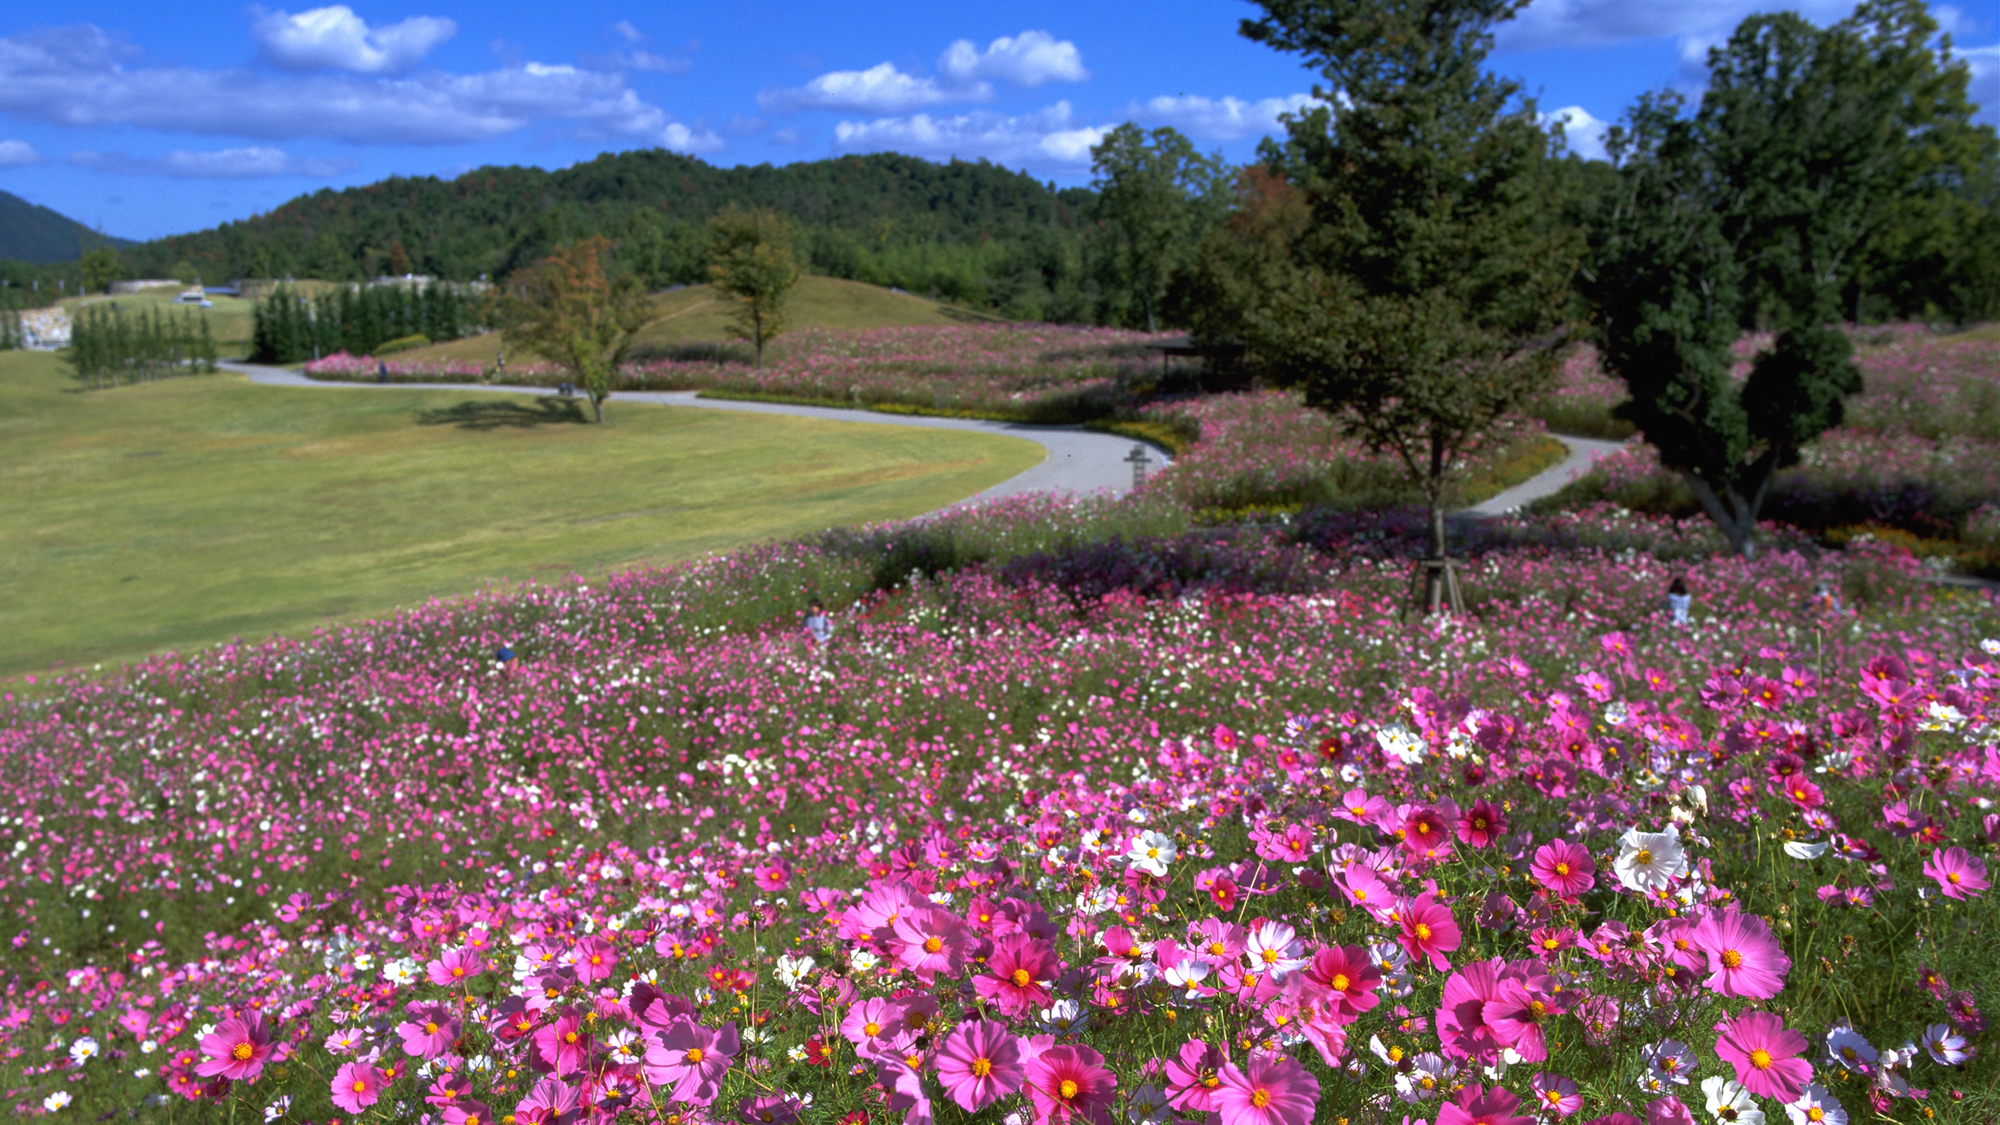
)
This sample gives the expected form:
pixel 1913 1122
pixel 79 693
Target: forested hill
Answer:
pixel 33 233
pixel 969 232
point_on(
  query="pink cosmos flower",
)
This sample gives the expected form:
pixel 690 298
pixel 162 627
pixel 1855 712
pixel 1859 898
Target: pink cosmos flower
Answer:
pixel 1428 930
pixel 768 1109
pixel 593 959
pixel 1015 970
pixel 236 1049
pixel 1482 824
pixel 455 967
pixel 1070 1084
pixel 564 1045
pixel 1366 890
pixel 467 1113
pixel 356 1086
pixel 1349 979
pixel 1566 869
pixel 1215 941
pixel 692 1059
pixel 551 1102
pixel 869 1021
pixel 1423 830
pixel 772 876
pixel 1523 997
pixel 1269 1090
pixel 1668 1111
pixel 1461 1014
pixel 1743 958
pixel 1959 873
pixel 929 941
pixel 1475 1106
pixel 1194 1077
pixel 979 1063
pixel 1360 808
pixel 1555 1093
pixel 1766 1055
pixel 429 1032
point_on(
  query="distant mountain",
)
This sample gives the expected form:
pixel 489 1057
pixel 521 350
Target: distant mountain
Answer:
pixel 969 232
pixel 30 232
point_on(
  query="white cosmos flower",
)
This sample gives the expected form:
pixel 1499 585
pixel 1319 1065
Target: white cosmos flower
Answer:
pixel 1649 861
pixel 1152 852
pixel 1799 849
pixel 1148 1106
pixel 1187 973
pixel 1946 1046
pixel 1274 948
pixel 1730 1103
pixel 85 1049
pixel 1846 1047
pixel 56 1100
pixel 1816 1107
pixel 1426 1079
pixel 1401 743
pixel 792 969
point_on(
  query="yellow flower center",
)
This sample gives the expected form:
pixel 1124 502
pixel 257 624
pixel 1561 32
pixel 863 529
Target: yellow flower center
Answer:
pixel 360 1086
pixel 1537 1009
pixel 1562 868
pixel 1815 1113
pixel 1761 1059
pixel 695 1055
pixel 1068 1089
pixel 871 1029
pixel 1952 878
pixel 1152 853
pixel 1270 956
pixel 981 1068
pixel 932 945
pixel 1340 982
pixel 1644 856
pixel 1423 931
pixel 1020 978
pixel 1261 1098
pixel 242 1052
pixel 1731 959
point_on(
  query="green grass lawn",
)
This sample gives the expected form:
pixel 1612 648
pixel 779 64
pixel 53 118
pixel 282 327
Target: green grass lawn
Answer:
pixel 230 321
pixel 173 515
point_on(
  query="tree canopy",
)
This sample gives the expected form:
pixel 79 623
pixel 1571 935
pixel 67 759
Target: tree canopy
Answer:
pixel 1159 197
pixel 750 259
pixel 571 309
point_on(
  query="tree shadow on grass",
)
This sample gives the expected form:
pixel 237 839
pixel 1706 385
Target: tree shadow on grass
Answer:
pixel 504 415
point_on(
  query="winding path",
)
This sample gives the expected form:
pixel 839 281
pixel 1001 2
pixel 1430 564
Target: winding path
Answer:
pixel 1076 460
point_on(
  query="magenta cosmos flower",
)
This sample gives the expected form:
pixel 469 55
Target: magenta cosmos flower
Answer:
pixel 692 1059
pixel 1743 957
pixel 455 967
pixel 979 1063
pixel 1482 824
pixel 1012 982
pixel 1195 1076
pixel 1271 1090
pixel 1475 1106
pixel 1556 1094
pixel 1959 874
pixel 1522 998
pixel 1069 1084
pixel 1349 979
pixel 1765 1053
pixel 564 1045
pixel 550 1102
pixel 429 1031
pixel 356 1086
pixel 236 1049
pixel 1428 930
pixel 1564 868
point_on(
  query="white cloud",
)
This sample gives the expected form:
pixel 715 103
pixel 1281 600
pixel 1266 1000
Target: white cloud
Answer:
pixel 337 39
pixel 1048 138
pixel 1028 59
pixel 253 162
pixel 627 32
pixel 1582 132
pixel 879 89
pixel 1218 119
pixel 1985 65
pixel 1598 23
pixel 14 154
pixel 78 76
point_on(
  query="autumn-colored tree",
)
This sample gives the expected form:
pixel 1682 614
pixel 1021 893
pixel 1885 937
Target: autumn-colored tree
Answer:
pixel 570 309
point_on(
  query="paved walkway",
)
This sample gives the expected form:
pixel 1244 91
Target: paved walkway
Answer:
pixel 1076 460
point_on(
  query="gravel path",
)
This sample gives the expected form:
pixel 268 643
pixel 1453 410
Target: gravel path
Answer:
pixel 1077 460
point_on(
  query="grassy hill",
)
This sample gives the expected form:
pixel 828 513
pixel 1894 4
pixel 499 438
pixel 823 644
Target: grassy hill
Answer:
pixel 698 314
pixel 30 232
pixel 181 513
pixel 229 321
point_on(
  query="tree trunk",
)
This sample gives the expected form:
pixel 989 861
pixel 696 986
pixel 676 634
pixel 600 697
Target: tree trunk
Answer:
pixel 1434 574
pixel 1735 514
pixel 757 330
pixel 597 404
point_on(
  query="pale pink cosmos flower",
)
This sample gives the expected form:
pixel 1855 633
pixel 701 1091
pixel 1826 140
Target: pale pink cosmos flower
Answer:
pixel 1743 958
pixel 1274 948
pixel 356 1086
pixel 236 1049
pixel 869 1021
pixel 430 1030
pixel 980 1063
pixel 1765 1054
pixel 692 1059
pixel 1268 1090
pixel 456 966
pixel 1959 873
pixel 564 1045
pixel 551 1102
pixel 1553 1092
pixel 1194 1076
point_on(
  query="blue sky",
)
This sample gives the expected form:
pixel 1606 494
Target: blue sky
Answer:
pixel 150 119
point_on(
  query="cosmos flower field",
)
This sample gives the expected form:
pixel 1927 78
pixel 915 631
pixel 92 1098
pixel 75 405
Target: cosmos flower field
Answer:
pixel 1084 815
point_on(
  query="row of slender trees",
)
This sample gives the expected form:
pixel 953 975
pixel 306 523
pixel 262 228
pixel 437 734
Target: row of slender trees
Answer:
pixel 110 345
pixel 290 327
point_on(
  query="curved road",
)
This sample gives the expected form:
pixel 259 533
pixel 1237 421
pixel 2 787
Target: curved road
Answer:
pixel 1077 460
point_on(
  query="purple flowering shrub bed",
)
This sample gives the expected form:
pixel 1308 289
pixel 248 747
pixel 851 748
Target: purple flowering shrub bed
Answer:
pixel 1919 452
pixel 1265 451
pixel 1244 847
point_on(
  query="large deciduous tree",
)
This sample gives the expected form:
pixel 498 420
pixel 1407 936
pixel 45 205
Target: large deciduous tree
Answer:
pixel 1759 209
pixel 750 258
pixel 571 310
pixel 1158 196
pixel 1400 257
